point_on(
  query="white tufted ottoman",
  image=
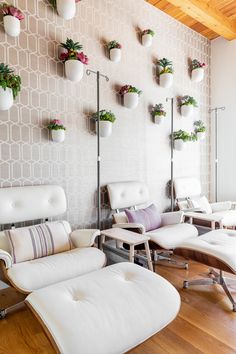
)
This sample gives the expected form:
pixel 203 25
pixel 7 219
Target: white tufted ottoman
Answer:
pixel 108 311
pixel 216 249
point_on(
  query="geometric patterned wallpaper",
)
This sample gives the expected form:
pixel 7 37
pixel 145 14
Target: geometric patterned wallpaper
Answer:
pixel 138 149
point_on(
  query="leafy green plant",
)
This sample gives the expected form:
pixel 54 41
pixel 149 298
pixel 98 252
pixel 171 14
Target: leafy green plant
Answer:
pixel 187 101
pixel 56 124
pixel 72 52
pixel 148 31
pixel 70 45
pixel 183 135
pixel 8 79
pixel 158 110
pixel 128 88
pixel 199 126
pixel 105 115
pixel 195 64
pixel 166 65
pixel 113 44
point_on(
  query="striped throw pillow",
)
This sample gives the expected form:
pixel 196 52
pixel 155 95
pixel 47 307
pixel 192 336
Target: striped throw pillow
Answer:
pixel 27 243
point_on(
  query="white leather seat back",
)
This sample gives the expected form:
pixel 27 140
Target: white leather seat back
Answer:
pixel 127 194
pixel 4 244
pixel 18 204
pixel 187 187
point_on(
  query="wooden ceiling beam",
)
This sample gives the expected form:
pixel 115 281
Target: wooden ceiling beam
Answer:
pixel 203 12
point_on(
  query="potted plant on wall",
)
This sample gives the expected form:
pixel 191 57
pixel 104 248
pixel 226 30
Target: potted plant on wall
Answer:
pixel 187 103
pixel 57 130
pixel 10 86
pixel 106 119
pixel 130 96
pixel 147 37
pixel 74 60
pixel 65 8
pixel 200 129
pixel 11 19
pixel 114 49
pixel 166 71
pixel 197 70
pixel 180 138
pixel 158 113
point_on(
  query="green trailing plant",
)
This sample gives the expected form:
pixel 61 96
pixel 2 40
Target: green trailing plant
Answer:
pixel 166 66
pixel 199 126
pixel 113 44
pixel 183 135
pixel 158 110
pixel 187 101
pixel 105 115
pixel 9 79
pixel 56 124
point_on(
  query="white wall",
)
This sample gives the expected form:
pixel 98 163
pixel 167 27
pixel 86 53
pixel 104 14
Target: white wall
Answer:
pixel 223 80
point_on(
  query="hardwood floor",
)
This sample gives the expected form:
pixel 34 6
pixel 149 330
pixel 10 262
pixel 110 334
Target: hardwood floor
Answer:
pixel 205 324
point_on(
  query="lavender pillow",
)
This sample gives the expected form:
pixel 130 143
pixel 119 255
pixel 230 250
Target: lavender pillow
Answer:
pixel 149 217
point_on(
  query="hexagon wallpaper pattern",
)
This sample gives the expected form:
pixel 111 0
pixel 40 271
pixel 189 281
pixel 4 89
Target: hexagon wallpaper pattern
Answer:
pixel 138 149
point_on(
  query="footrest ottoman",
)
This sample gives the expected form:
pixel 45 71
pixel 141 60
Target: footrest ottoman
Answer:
pixel 108 311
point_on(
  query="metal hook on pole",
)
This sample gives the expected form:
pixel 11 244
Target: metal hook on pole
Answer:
pixel 98 76
pixel 216 109
pixel 171 99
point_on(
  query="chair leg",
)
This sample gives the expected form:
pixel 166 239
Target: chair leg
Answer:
pixel 4 312
pixel 215 278
pixel 164 258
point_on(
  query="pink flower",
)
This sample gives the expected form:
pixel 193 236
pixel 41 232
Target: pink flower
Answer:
pixel 57 121
pixel 82 57
pixel 13 11
pixel 64 56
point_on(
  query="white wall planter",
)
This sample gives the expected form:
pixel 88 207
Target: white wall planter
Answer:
pixel 186 110
pixel 179 144
pixel 58 136
pixel 197 75
pixel 201 135
pixel 11 25
pixel 105 128
pixel 115 54
pixel 131 100
pixel 74 70
pixel 147 40
pixel 158 119
pixel 6 98
pixel 166 80
pixel 66 9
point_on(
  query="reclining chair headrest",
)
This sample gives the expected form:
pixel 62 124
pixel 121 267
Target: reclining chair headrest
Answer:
pixel 126 194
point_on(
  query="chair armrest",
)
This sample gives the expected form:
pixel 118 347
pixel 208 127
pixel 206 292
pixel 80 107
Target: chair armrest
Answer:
pixel 220 206
pixel 175 217
pixel 139 227
pixel 6 258
pixel 84 237
pixel 205 217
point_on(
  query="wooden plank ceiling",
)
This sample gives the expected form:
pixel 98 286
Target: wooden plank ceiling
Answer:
pixel 210 18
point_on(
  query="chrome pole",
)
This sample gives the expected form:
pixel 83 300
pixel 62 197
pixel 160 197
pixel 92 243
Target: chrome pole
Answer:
pixel 216 109
pixel 98 76
pixel 172 153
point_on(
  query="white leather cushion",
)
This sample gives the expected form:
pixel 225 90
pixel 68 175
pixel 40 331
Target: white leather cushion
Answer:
pixel 106 312
pixel 4 243
pixel 187 187
pixel 218 243
pixel 38 241
pixel 170 236
pixel 41 272
pixel 228 217
pixel 201 203
pixel 120 218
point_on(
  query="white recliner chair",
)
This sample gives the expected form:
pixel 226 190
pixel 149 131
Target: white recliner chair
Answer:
pixel 197 208
pixel 19 204
pixel 165 239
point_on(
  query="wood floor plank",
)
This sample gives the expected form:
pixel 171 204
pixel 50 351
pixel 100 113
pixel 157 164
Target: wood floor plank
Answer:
pixel 206 323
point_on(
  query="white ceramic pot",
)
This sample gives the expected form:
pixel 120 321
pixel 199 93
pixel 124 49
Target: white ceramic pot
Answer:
pixel 166 80
pixel 131 100
pixel 179 144
pixel 158 119
pixel 58 136
pixel 74 70
pixel 105 128
pixel 115 54
pixel 6 98
pixel 186 110
pixel 66 9
pixel 147 40
pixel 11 25
pixel 201 135
pixel 197 75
